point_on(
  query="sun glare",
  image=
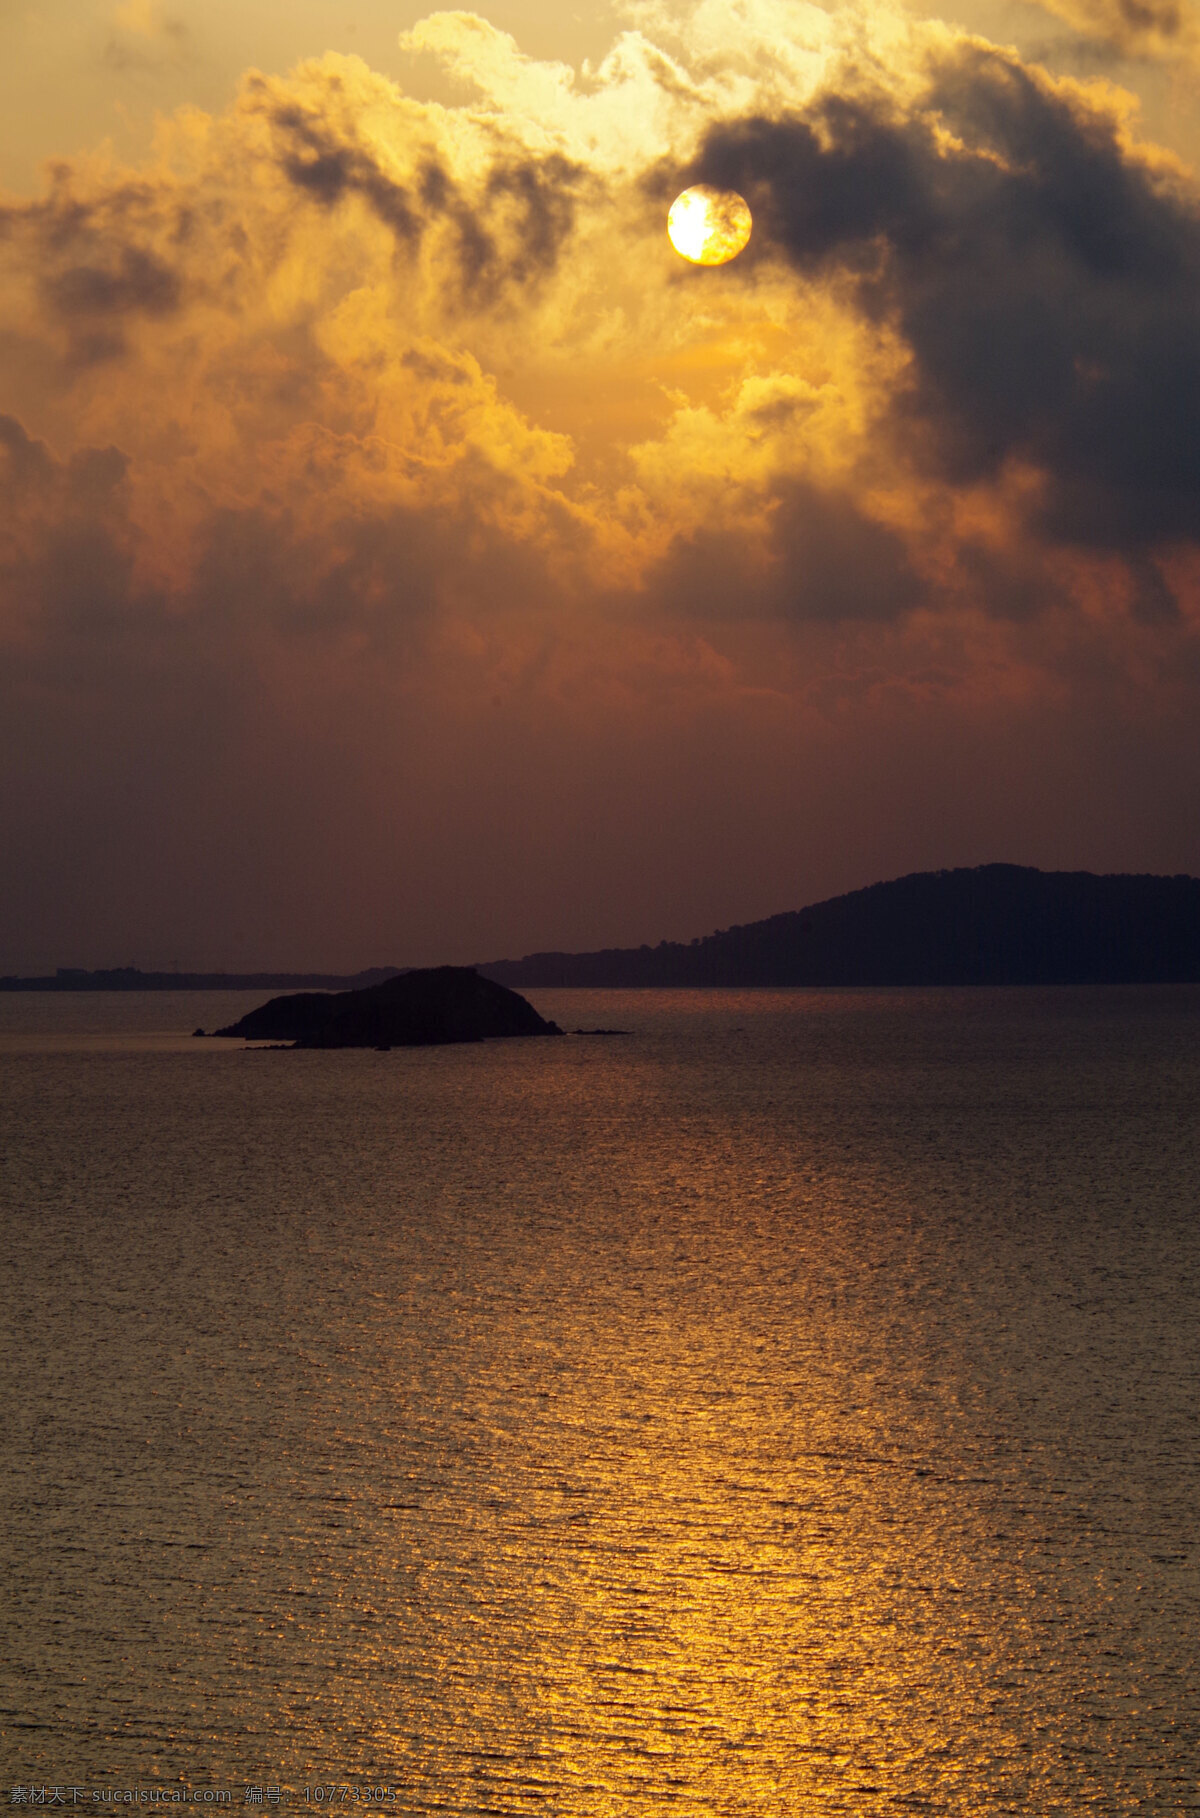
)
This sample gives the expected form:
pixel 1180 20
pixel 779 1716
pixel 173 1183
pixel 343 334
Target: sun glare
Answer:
pixel 709 226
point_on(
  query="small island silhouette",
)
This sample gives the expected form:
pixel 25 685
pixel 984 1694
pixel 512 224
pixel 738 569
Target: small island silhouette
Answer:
pixel 414 1010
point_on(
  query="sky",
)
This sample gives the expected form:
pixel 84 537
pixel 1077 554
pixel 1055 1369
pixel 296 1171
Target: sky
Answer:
pixel 407 557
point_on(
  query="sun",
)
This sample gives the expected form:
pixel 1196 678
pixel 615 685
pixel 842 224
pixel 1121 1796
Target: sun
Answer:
pixel 709 226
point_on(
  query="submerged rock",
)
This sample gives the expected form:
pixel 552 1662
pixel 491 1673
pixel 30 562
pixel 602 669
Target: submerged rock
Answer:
pixel 412 1010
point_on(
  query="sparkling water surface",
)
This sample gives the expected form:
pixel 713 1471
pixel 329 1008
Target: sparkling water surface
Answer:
pixel 789 1407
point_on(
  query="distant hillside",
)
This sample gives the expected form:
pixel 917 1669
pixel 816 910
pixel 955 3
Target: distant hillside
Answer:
pixel 128 978
pixel 994 925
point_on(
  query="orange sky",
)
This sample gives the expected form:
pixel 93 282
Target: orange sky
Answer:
pixel 405 556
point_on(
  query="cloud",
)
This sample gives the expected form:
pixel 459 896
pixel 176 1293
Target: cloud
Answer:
pixel 389 445
pixel 27 462
pixel 965 278
pixel 510 227
pixel 145 39
pixel 1045 279
pixel 1149 29
pixel 820 557
pixel 132 283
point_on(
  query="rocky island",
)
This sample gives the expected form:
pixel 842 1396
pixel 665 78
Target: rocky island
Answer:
pixel 412 1010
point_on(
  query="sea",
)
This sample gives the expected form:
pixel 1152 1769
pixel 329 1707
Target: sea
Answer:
pixel 788 1406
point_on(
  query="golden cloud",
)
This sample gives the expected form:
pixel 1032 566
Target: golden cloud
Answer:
pixel 404 372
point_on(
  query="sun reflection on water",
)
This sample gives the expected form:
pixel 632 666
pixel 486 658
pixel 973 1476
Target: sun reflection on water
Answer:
pixel 711 1424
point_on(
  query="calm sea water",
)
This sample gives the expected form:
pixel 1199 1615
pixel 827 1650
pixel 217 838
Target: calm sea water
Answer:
pixel 789 1407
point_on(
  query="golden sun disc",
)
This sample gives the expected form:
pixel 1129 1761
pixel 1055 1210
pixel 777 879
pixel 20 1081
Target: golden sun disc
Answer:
pixel 709 226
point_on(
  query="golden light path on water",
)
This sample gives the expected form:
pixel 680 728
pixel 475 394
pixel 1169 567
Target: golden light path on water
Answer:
pixel 785 1409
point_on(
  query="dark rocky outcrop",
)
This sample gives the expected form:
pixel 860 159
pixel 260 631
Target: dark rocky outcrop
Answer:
pixel 412 1010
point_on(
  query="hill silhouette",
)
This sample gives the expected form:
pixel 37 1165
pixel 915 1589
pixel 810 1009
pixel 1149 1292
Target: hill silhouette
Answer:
pixel 412 1010
pixel 990 925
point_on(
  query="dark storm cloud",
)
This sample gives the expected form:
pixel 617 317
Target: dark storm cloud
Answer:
pixel 95 261
pixel 513 231
pixel 378 579
pixel 260 576
pixel 1118 29
pixel 313 157
pixel 67 567
pixel 543 196
pixel 131 282
pixel 835 562
pixel 24 461
pixel 1046 282
pixel 1138 18
pixel 88 481
pixel 93 474
pixel 825 560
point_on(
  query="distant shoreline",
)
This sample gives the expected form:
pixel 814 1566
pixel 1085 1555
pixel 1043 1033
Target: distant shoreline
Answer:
pixel 322 982
pixel 990 925
pixel 129 978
